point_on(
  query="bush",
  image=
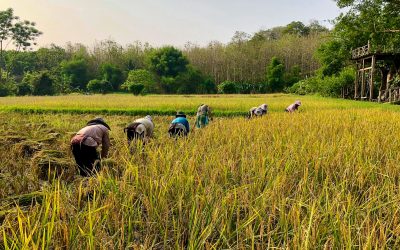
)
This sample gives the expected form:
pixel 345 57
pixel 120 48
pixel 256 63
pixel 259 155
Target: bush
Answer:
pixel 99 86
pixel 112 74
pixel 326 86
pixel 75 73
pixel 140 77
pixel 194 82
pixel 4 90
pixel 37 83
pixel 24 87
pixel 227 87
pixel 136 88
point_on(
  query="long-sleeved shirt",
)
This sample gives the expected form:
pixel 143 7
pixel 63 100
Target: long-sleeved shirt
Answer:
pixel 182 120
pixel 96 135
pixel 293 107
pixel 146 127
pixel 260 110
pixel 203 110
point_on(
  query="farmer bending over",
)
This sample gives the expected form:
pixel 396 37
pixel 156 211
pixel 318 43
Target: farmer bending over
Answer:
pixel 258 111
pixel 293 107
pixel 179 126
pixel 203 116
pixel 85 143
pixel 140 130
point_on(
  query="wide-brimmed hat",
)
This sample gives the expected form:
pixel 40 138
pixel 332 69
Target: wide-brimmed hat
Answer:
pixel 180 114
pixel 148 117
pixel 98 121
pixel 298 102
pixel 264 107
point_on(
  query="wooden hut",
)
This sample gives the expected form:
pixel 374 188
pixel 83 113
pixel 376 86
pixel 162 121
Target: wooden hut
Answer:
pixel 376 67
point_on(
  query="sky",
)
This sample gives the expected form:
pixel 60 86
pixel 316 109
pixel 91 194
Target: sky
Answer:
pixel 163 22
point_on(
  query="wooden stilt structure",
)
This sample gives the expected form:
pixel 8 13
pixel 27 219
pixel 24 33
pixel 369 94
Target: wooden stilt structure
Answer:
pixel 367 61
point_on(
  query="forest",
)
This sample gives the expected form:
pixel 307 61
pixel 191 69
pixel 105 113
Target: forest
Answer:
pixel 298 58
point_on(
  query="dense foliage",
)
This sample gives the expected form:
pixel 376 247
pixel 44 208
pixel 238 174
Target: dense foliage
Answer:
pixel 193 69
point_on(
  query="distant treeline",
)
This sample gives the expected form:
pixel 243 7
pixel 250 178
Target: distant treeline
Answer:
pixel 267 61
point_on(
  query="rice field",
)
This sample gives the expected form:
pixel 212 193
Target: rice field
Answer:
pixel 327 177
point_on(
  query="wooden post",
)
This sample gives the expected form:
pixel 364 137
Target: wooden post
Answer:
pixel 371 84
pixel 356 83
pixel 362 80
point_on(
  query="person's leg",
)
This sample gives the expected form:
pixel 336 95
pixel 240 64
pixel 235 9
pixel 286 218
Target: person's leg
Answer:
pixel 89 157
pixel 201 121
pixel 77 152
pixel 198 121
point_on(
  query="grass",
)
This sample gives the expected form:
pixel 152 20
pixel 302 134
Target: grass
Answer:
pixel 125 104
pixel 326 177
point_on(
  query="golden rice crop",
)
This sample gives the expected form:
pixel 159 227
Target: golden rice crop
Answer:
pixel 324 178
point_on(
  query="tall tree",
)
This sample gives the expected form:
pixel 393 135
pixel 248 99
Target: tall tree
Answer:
pixel 275 73
pixel 22 34
pixel 167 62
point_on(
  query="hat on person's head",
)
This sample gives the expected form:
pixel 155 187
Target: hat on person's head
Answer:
pixel 298 102
pixel 264 107
pixel 148 117
pixel 98 121
pixel 180 114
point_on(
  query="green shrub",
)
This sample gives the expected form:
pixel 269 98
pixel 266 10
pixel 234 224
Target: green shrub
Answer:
pixel 136 88
pixel 140 77
pixel 24 88
pixel 326 86
pixel 227 87
pixel 99 86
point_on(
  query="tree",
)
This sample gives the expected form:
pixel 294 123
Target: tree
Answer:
pixel 275 73
pixel 75 73
pixel 99 86
pixel 227 87
pixel 193 82
pixel 136 88
pixel 50 58
pixel 167 62
pixel 332 56
pixel 20 33
pixel 41 83
pixel 141 77
pixel 374 20
pixel 25 86
pixel 296 28
pixel 293 76
pixel 112 74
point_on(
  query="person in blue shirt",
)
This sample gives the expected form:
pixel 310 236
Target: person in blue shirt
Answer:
pixel 179 126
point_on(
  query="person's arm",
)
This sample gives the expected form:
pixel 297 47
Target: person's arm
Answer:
pixel 105 144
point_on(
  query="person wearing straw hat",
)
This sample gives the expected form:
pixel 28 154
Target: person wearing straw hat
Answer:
pixel 85 143
pixel 293 107
pixel 179 126
pixel 258 111
pixel 203 116
pixel 141 129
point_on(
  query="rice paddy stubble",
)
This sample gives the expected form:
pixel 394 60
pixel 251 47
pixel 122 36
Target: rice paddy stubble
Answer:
pixel 325 179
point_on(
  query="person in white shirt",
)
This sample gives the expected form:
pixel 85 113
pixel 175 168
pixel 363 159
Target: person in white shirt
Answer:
pixel 258 111
pixel 140 129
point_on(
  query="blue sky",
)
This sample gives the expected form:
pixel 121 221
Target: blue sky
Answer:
pixel 161 22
